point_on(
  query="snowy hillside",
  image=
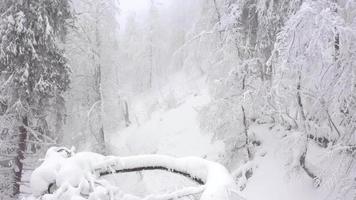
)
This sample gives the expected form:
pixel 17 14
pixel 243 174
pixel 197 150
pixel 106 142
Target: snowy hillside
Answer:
pixel 173 131
pixel 177 132
pixel 276 166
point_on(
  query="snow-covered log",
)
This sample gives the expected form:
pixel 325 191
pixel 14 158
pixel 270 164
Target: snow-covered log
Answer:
pixel 216 178
pixel 76 174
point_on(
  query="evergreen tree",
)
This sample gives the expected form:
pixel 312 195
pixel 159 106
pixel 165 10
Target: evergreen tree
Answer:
pixel 33 70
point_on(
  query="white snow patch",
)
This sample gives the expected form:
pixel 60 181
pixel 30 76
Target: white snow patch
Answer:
pixel 272 178
pixel 173 132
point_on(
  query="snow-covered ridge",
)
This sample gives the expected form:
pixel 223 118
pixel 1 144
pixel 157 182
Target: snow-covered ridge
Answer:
pixel 78 176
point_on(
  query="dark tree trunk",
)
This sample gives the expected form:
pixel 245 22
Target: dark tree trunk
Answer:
pixel 247 141
pixel 147 168
pixel 127 114
pixel 306 128
pixel 244 121
pixel 18 168
pixel 299 101
pixel 302 163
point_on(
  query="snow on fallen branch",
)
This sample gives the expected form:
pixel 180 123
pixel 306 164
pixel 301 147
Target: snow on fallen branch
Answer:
pixel 82 174
pixel 215 176
pixel 111 171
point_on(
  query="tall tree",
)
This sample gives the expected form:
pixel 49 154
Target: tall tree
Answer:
pixel 92 50
pixel 33 68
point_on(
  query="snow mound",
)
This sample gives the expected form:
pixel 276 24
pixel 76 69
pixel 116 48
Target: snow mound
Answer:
pixel 78 176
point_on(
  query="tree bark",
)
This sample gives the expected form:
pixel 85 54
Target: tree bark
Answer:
pixel 244 121
pixel 307 137
pixel 145 168
pixel 21 148
pixel 247 141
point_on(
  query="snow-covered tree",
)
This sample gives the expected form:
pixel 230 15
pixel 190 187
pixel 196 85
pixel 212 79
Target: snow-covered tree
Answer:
pixel 33 71
pixel 314 81
pixel 93 49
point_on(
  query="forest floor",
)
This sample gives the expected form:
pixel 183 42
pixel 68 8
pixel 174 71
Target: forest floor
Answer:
pixel 272 178
pixel 176 132
pixel 172 128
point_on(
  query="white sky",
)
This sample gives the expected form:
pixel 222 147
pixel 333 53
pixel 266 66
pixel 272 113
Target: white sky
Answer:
pixel 138 6
pixel 141 6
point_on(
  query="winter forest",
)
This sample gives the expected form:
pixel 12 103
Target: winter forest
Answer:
pixel 177 99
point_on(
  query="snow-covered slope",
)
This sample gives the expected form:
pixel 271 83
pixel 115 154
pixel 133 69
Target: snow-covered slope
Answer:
pixel 169 130
pixel 278 176
pixel 176 131
pixel 271 179
pixel 173 132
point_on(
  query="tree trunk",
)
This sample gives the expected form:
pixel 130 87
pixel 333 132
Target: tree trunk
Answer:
pixel 98 86
pixel 18 165
pixel 247 141
pixel 99 98
pixel 151 49
pixel 306 128
pixel 127 114
pixel 60 114
pixel 244 121
pixel 300 104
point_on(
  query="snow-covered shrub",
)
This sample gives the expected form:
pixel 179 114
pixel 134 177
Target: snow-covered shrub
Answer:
pixel 315 74
pixel 237 102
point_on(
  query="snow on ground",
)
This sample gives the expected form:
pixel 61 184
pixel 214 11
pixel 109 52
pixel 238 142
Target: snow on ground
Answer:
pixel 271 179
pixel 170 126
pixel 278 175
pixel 176 132
pixel 172 132
pixel 172 129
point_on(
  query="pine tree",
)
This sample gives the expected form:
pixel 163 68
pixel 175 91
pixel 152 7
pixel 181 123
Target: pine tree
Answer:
pixel 33 69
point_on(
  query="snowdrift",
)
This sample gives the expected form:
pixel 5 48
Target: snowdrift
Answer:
pixel 68 175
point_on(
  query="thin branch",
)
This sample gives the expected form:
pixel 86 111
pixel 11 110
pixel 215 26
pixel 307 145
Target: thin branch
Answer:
pixel 91 109
pixel 332 122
